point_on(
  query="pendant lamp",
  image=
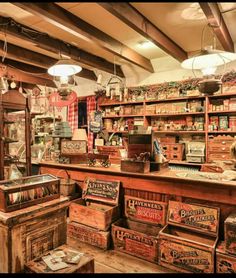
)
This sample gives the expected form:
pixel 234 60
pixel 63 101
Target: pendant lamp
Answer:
pixel 64 67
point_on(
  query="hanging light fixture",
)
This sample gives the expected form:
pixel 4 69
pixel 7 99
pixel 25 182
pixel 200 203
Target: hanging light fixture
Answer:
pixel 64 69
pixel 207 61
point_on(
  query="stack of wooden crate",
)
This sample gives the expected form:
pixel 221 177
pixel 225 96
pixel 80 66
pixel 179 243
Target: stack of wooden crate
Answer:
pixel 226 250
pixel 188 241
pixel 91 216
pixel 137 232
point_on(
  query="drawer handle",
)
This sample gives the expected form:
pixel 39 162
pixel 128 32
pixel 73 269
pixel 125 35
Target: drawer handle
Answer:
pixel 223 142
pixel 222 149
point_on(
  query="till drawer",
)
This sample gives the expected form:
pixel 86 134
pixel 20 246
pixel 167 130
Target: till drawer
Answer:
pixel 219 156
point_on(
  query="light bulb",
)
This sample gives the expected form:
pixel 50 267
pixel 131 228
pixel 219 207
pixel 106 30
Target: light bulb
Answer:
pixel 64 79
pixel 208 71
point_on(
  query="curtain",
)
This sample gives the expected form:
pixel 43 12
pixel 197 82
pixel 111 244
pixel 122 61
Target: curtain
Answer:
pixel 72 115
pixel 91 106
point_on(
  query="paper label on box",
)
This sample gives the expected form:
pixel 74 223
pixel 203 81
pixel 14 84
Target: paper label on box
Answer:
pixel 152 212
pixel 202 218
pixel 186 257
pixel 106 191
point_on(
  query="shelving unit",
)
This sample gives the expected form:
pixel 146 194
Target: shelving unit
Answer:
pixel 13 101
pixel 147 117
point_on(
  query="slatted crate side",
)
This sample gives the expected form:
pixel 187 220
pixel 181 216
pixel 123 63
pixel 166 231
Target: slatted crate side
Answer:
pixel 143 194
pixel 89 235
pixel 137 239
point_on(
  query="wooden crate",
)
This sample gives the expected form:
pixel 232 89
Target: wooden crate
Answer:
pixel 136 238
pixel 151 212
pixel 188 241
pixel 230 233
pixel 89 235
pixel 27 233
pixel 225 263
pixel 28 191
pixel 128 165
pixel 85 264
pixel 98 207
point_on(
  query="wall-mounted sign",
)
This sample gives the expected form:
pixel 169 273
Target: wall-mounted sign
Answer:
pixel 95 121
pixel 55 99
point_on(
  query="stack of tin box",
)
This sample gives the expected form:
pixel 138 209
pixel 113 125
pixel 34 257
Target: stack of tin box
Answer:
pixel 62 129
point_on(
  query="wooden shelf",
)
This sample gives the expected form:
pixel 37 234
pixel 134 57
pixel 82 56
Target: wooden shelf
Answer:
pixel 117 131
pixel 223 95
pixel 175 115
pixel 221 132
pixel 181 132
pixel 222 112
pixel 8 122
pixel 120 103
pixel 175 99
pixel 122 116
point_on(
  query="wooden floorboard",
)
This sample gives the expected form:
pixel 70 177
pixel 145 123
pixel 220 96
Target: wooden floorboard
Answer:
pixel 112 261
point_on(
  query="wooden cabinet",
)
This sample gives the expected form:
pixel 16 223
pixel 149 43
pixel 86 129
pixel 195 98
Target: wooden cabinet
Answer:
pixel 28 233
pixel 10 103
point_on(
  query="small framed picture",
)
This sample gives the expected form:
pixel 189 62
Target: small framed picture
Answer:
pixel 73 147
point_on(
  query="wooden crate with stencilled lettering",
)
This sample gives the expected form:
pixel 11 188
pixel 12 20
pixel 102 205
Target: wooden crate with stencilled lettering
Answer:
pixel 187 243
pixel 136 238
pixel 101 239
pixel 225 262
pixel 147 211
pixel 99 205
pixel 230 233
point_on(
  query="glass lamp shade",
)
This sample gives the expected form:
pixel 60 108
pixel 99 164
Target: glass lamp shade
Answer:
pixel 208 59
pixel 64 67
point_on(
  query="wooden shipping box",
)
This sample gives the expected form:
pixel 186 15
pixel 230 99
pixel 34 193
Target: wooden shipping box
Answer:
pixel 27 233
pixel 188 241
pixel 128 165
pixel 225 263
pixel 146 211
pixel 28 191
pixel 136 238
pixel 230 233
pixel 85 264
pixel 101 239
pixel 99 205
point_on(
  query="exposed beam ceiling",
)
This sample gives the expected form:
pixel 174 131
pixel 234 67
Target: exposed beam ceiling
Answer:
pixel 135 20
pixel 55 45
pixel 216 21
pixel 36 59
pixel 67 21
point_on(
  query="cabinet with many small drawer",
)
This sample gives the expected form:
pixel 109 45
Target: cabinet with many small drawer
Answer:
pixel 219 147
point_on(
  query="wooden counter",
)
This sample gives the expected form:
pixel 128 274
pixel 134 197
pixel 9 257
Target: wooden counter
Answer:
pixel 164 182
pixel 156 186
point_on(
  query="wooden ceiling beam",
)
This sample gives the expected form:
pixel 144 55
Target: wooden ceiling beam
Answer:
pixel 72 24
pixel 216 21
pixel 134 19
pixel 17 75
pixel 48 43
pixel 36 59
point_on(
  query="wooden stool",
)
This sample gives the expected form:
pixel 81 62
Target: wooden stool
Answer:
pixel 85 264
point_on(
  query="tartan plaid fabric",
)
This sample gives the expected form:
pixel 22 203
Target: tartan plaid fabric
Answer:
pixel 72 115
pixel 91 106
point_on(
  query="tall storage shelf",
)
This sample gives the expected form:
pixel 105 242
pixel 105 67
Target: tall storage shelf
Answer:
pixel 221 106
pixel 10 102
